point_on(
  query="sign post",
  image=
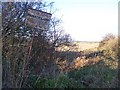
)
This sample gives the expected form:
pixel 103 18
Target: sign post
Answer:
pixel 36 19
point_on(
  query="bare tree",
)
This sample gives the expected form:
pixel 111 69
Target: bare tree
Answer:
pixel 22 54
pixel 16 38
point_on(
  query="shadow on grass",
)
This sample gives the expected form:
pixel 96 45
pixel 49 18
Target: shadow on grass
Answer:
pixel 67 55
pixel 98 75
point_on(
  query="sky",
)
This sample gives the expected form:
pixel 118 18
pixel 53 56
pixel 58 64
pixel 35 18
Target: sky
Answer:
pixel 88 20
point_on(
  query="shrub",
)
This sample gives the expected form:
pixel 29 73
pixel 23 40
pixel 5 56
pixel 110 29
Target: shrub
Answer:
pixel 109 45
pixel 98 75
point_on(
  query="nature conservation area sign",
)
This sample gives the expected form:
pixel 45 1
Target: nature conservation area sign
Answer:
pixel 38 19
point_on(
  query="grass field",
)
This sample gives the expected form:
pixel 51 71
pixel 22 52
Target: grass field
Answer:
pixel 86 45
pixel 80 46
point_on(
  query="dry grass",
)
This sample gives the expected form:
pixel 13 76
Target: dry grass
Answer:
pixel 77 63
pixel 86 45
pixel 80 46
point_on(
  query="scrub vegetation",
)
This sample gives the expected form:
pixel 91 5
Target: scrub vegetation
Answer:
pixel 50 58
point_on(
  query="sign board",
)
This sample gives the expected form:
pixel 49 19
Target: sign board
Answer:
pixel 38 19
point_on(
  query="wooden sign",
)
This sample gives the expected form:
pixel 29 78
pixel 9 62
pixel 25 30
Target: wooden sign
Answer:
pixel 38 19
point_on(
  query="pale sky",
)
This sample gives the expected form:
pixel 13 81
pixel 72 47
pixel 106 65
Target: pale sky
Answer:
pixel 88 20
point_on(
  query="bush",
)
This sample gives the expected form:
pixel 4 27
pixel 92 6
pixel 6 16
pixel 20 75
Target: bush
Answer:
pixel 109 45
pixel 98 75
